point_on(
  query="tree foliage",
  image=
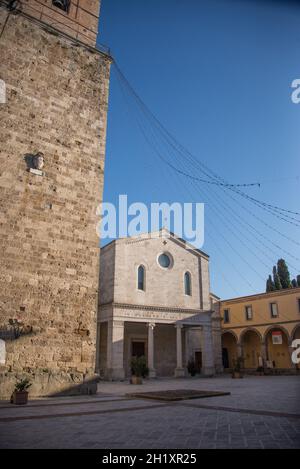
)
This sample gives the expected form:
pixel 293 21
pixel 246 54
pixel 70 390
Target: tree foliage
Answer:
pixel 276 279
pixel 270 284
pixel 283 273
pixel 281 278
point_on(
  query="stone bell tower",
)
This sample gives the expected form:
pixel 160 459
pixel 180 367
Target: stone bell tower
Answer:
pixel 52 133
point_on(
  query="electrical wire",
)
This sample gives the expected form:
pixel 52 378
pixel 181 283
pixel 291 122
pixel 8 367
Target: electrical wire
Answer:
pixel 197 178
pixel 204 169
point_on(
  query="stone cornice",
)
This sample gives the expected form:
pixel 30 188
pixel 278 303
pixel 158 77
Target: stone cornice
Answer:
pixel 104 52
pixel 247 326
pixel 259 296
pixel 164 309
pixel 159 235
pixel 217 319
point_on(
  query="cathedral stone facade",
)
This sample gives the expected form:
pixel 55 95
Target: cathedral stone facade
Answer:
pixel 155 301
pixel 52 132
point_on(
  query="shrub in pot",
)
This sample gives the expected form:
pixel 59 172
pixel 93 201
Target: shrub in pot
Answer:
pixel 139 370
pixel 20 394
pixel 191 367
pixel 237 368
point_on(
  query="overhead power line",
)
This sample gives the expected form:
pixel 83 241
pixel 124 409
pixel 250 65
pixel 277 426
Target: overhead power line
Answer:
pixel 212 176
pixel 181 163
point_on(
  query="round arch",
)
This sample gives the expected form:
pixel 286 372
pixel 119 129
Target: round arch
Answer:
pixel 295 334
pixel 277 351
pixel 251 341
pixel 251 329
pixel 229 348
pixel 234 335
pixel 276 327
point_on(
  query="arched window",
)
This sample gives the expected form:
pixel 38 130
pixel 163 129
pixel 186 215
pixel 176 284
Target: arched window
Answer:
pixel 187 284
pixel 141 278
pixel 62 4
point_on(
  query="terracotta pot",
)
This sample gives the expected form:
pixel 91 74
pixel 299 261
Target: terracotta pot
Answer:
pixel 136 380
pixel 20 397
pixel 237 375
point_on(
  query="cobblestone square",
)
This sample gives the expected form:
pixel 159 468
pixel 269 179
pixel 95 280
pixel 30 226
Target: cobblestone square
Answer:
pixel 261 412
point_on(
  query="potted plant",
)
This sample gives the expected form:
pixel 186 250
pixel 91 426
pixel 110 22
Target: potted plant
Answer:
pixel 20 394
pixel 237 368
pixel 139 370
pixel 191 367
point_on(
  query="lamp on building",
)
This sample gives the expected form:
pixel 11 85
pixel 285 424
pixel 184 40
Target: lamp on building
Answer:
pixel 62 4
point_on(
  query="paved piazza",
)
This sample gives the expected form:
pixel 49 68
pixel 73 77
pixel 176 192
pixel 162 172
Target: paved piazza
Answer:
pixel 261 412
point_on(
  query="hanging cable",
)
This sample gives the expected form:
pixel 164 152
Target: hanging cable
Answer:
pixel 210 174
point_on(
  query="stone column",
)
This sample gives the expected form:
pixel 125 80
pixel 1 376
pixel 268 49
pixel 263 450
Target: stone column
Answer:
pixel 263 353
pixel 187 350
pixel 115 350
pixel 239 350
pixel 179 371
pixel 208 364
pixel 217 346
pixel 152 372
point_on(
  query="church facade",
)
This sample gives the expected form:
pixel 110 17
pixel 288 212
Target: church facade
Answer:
pixel 155 301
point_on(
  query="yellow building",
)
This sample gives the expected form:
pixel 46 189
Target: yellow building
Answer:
pixel 261 328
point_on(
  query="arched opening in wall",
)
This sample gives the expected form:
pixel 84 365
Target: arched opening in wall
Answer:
pixel 277 344
pixel 251 343
pixel 296 333
pixel 187 284
pixel 229 349
pixel 141 278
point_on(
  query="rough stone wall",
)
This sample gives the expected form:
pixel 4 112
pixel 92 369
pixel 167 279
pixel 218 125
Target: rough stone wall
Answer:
pixel 57 97
pixel 107 274
pixel 80 22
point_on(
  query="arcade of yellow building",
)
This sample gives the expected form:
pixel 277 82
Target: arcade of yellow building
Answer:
pixel 261 329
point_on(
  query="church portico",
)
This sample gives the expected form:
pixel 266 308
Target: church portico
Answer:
pixel 168 340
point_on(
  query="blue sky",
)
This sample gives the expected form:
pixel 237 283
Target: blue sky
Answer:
pixel 217 74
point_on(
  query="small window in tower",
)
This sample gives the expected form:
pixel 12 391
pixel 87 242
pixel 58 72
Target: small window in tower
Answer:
pixel 62 4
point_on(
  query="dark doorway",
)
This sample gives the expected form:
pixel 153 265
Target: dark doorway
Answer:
pixel 138 349
pixel 225 358
pixel 198 361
